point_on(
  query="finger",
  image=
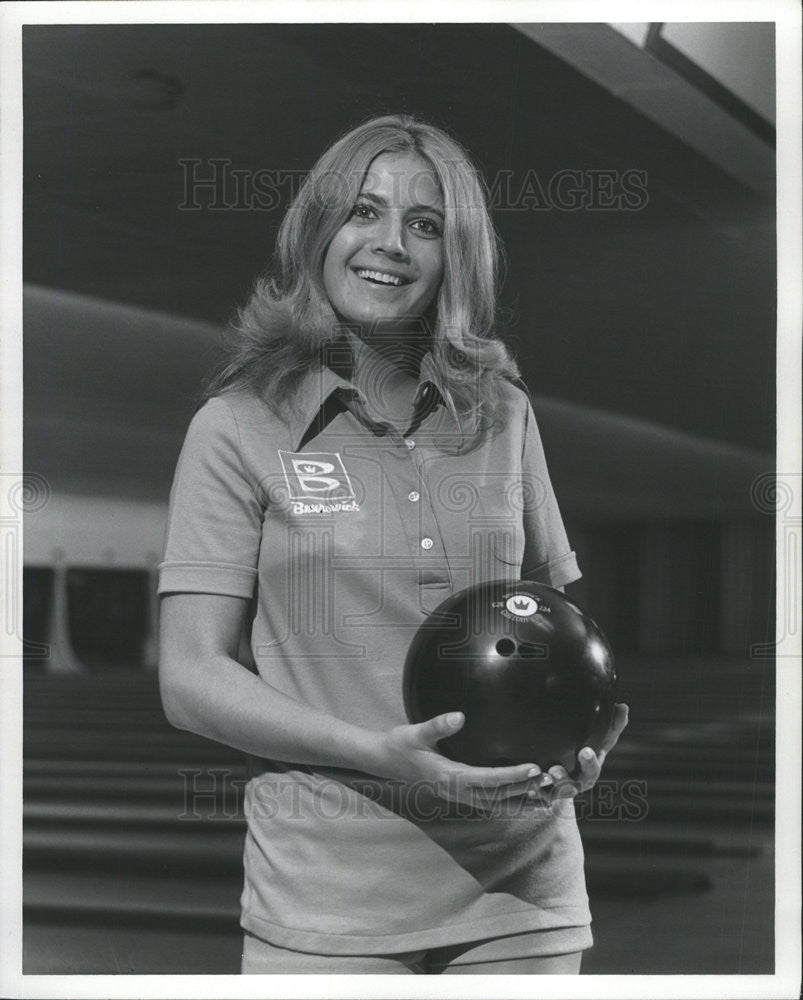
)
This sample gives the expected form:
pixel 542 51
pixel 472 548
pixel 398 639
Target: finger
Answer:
pixel 514 789
pixel 548 795
pixel 564 786
pixel 590 767
pixel 504 799
pixel 497 777
pixel 621 717
pixel 525 802
pixel 542 793
pixel 437 728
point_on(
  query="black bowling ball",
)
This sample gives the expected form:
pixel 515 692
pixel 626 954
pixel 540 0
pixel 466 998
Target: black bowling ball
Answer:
pixel 533 674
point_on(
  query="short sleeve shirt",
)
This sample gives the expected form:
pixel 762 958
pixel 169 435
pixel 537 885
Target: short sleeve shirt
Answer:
pixel 346 533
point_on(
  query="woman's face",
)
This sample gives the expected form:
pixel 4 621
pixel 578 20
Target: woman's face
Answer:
pixel 386 260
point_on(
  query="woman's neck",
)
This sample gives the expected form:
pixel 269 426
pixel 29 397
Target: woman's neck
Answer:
pixel 386 373
pixel 399 347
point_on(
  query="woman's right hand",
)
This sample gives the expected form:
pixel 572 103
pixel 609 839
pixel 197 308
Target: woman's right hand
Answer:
pixel 409 753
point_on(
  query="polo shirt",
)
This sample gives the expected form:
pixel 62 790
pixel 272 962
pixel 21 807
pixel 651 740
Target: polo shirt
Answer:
pixel 347 532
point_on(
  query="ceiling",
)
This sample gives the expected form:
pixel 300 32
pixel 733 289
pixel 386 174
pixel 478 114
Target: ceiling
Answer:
pixel 664 313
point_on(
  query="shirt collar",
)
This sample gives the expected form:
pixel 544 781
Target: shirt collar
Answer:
pixel 332 376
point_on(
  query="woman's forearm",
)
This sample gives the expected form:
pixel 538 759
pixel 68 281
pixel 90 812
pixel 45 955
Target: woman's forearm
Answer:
pixel 224 701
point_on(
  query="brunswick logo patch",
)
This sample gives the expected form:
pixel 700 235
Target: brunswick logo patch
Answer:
pixel 317 482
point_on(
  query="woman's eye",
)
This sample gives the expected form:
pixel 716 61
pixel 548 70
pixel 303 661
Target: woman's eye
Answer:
pixel 362 211
pixel 428 226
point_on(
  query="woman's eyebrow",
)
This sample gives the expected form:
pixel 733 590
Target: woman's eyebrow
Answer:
pixel 379 200
pixel 427 208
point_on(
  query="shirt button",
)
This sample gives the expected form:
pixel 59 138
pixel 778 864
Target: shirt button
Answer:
pixel 410 444
pixel 426 543
pixel 413 496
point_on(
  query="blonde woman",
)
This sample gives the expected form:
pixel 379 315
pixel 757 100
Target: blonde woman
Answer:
pixel 363 454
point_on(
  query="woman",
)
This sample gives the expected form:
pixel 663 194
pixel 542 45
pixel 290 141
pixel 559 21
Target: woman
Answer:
pixel 364 454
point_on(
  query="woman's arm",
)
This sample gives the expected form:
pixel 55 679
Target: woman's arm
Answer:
pixel 207 691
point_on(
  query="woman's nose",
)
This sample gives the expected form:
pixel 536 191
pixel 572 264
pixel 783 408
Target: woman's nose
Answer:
pixel 390 241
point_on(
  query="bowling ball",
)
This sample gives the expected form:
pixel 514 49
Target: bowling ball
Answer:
pixel 531 671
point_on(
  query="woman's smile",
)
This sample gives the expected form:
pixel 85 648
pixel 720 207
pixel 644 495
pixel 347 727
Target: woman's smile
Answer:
pixel 381 277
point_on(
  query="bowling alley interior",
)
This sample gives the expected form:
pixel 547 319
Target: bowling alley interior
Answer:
pixel 631 172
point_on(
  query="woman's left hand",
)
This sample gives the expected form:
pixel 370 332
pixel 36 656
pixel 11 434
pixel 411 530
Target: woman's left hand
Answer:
pixel 564 785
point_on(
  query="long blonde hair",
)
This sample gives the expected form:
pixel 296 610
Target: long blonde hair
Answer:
pixel 278 336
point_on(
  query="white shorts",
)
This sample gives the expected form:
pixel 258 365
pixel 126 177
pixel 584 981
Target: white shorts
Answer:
pixel 261 957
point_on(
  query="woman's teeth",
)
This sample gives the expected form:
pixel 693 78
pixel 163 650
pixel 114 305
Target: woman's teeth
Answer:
pixel 383 279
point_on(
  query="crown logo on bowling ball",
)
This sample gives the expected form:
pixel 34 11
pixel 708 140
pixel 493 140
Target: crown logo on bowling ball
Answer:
pixel 522 605
pixel 309 468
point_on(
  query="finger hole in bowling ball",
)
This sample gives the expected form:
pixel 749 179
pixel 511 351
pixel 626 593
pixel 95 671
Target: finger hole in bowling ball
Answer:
pixel 506 647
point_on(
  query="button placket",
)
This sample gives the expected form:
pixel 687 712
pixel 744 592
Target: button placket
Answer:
pixel 422 524
pixel 434 573
pixel 413 497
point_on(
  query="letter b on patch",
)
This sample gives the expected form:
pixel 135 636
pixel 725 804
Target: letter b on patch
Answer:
pixel 316 476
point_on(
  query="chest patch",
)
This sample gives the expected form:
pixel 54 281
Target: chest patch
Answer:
pixel 317 478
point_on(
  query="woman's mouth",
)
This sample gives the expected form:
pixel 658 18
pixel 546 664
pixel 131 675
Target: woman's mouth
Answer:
pixel 380 277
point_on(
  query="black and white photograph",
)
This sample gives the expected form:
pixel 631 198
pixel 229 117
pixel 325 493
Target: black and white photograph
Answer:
pixel 400 495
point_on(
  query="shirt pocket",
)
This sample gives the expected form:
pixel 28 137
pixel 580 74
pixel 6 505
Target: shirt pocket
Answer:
pixel 497 530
